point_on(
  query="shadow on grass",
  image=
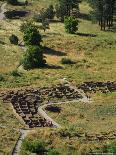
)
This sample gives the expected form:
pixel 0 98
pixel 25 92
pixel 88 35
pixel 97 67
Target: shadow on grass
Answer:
pixel 47 35
pixel 50 51
pixel 84 16
pixel 86 34
pixel 113 29
pixel 55 21
pixel 2 42
pixel 21 3
pixel 15 14
pixel 47 66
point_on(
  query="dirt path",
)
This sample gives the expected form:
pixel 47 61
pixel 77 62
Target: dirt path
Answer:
pixel 2 11
pixel 23 134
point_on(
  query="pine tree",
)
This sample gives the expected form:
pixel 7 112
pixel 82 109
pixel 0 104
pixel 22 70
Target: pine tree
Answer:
pixel 103 11
pixel 65 8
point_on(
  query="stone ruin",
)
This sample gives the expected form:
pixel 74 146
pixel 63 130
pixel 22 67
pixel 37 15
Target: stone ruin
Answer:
pixel 104 87
pixel 26 102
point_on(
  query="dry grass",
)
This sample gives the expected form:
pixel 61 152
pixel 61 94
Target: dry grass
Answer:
pixel 34 6
pixel 9 128
pixel 95 56
pixel 80 119
pixel 96 117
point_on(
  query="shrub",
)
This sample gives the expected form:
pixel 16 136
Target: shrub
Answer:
pixel 106 149
pixel 64 132
pixel 32 36
pixel 45 14
pixel 53 152
pixel 33 58
pixel 71 24
pixel 26 2
pixel 13 2
pixel 60 11
pixel 25 25
pixel 15 73
pixel 44 22
pixel 111 148
pixel 37 18
pixel 33 147
pixel 1 77
pixel 50 12
pixel 13 39
pixel 41 16
pixel 67 61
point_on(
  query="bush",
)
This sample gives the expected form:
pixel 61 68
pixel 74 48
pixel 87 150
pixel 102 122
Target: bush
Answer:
pixel 50 12
pixel 106 149
pixel 13 39
pixel 61 11
pixel 15 73
pixel 111 148
pixel 44 22
pixel 64 132
pixel 13 2
pixel 25 25
pixel 33 147
pixel 1 77
pixel 67 61
pixel 33 58
pixel 41 16
pixel 32 35
pixel 45 14
pixel 53 152
pixel 71 24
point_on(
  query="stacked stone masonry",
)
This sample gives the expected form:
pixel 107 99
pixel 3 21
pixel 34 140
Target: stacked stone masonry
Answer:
pixel 26 102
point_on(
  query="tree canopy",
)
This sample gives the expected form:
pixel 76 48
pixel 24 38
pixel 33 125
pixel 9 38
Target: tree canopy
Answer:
pixel 103 11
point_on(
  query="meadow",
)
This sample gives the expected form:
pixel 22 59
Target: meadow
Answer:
pixel 87 116
pixel 9 128
pixel 92 50
pixel 94 54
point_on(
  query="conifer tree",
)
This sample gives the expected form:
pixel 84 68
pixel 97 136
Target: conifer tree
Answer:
pixel 65 7
pixel 103 11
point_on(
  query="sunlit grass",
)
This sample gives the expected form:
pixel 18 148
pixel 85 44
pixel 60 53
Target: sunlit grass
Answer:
pixel 94 52
pixel 95 55
pixel 97 117
pixel 9 128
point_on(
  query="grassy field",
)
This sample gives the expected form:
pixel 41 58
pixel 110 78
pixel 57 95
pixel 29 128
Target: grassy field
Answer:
pixel 60 141
pixel 87 116
pixel 9 128
pixel 33 5
pixel 94 52
pixel 80 124
pixel 92 49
